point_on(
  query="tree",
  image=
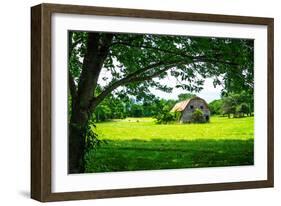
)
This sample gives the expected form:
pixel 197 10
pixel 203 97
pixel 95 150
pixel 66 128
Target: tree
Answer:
pixel 216 106
pixel 136 110
pixel 237 104
pixel 110 108
pixel 242 109
pixel 247 97
pixel 184 96
pixel 136 62
pixel 102 113
pixel 229 105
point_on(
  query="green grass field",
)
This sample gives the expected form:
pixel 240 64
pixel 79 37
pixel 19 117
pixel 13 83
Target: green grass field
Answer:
pixel 140 144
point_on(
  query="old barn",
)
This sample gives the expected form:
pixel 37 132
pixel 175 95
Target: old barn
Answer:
pixel 187 107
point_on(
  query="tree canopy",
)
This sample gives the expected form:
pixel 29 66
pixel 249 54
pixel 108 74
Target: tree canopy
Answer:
pixel 137 62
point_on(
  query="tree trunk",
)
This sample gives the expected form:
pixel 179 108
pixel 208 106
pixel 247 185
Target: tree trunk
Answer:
pixel 83 103
pixel 76 140
pixel 76 151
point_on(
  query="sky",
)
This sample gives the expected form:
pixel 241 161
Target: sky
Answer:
pixel 209 93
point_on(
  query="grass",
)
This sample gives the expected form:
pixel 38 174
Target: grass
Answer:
pixel 146 129
pixel 140 144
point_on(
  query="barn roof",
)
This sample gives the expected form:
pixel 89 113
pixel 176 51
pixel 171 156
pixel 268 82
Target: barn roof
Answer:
pixel 180 106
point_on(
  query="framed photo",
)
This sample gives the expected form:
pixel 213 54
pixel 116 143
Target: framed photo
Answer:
pixel 132 102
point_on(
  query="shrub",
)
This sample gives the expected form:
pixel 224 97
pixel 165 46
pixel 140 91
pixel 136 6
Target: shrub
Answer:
pixel 165 116
pixel 198 116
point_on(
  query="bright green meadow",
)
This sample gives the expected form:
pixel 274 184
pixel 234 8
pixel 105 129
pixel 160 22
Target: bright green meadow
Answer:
pixel 140 144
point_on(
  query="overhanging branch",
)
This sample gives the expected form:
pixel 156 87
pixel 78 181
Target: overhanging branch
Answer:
pixel 202 58
pixel 133 77
pixel 139 75
pixel 182 54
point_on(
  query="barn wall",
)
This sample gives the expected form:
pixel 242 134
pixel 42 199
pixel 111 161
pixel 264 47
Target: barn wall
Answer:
pixel 187 113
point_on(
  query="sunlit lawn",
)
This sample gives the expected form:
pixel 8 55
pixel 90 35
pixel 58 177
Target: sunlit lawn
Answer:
pixel 146 129
pixel 140 144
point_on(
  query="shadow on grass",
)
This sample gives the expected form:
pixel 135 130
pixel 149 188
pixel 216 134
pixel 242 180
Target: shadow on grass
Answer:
pixel 132 155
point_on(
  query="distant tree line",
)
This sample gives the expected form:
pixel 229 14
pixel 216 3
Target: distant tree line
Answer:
pixel 114 107
pixel 120 107
pixel 233 104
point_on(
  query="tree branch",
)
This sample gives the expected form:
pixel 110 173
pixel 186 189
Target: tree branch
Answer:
pixel 149 77
pixel 202 58
pixel 182 54
pixel 133 77
pixel 151 66
pixel 137 75
pixel 210 60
